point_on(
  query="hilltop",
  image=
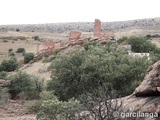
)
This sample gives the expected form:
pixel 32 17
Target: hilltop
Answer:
pixel 151 25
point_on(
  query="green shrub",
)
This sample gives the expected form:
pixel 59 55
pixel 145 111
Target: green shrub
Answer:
pixel 28 57
pixel 9 65
pixel 141 44
pixel 30 86
pixel 20 50
pixel 11 54
pixel 87 44
pixel 148 36
pixel 4 96
pixel 45 95
pixel 36 37
pixel 83 71
pixel 10 50
pixel 17 29
pixel 58 110
pixel 3 75
pixel 34 106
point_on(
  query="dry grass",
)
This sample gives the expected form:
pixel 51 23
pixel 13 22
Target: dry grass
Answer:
pixel 35 68
pixel 156 41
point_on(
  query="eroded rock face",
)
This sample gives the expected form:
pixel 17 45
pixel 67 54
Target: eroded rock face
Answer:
pixel 151 83
pixel 146 97
pixel 74 35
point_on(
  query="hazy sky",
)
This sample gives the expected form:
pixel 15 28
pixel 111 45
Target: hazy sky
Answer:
pixel 52 11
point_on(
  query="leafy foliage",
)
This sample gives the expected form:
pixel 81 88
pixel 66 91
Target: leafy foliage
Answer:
pixel 31 86
pixel 10 50
pixel 141 44
pixel 21 50
pixel 3 75
pixel 9 65
pixel 36 37
pixel 17 29
pixel 87 44
pixel 28 57
pixel 80 72
pixel 58 110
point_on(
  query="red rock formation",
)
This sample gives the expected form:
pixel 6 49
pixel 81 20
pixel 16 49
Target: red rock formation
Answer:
pixel 74 35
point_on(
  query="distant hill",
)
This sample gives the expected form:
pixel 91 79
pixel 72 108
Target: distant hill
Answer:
pixel 152 24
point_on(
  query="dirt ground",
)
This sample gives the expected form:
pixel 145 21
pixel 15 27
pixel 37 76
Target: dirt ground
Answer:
pixel 15 110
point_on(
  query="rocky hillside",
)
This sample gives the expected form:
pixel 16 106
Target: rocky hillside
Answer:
pixel 152 24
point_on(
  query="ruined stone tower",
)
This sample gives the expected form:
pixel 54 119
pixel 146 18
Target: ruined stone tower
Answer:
pixel 97 28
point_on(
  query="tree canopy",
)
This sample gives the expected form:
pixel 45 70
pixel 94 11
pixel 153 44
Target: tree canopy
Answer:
pixel 79 72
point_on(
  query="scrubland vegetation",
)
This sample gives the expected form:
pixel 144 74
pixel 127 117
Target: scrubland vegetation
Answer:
pixel 81 79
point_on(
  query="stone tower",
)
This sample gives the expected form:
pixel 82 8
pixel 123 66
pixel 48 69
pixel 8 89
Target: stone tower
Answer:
pixel 97 28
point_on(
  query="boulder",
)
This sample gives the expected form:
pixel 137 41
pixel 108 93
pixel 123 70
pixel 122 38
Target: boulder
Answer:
pixel 151 83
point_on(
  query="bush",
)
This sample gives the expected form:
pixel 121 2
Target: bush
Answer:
pixel 4 96
pixel 87 44
pixel 20 50
pixel 11 54
pixel 9 65
pixel 58 110
pixel 3 75
pixel 36 37
pixel 45 95
pixel 17 29
pixel 34 106
pixel 30 86
pixel 28 57
pixel 79 72
pixel 141 45
pixel 10 50
pixel 148 36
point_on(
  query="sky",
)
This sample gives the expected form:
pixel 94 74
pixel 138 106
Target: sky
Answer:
pixel 58 11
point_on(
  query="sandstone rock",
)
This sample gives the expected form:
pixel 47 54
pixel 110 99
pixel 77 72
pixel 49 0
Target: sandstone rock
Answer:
pixel 74 35
pixel 151 83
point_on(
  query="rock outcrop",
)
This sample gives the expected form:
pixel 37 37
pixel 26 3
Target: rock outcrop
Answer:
pixel 151 83
pixel 143 103
pixel 146 97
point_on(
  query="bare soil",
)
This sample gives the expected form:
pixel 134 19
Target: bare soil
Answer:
pixel 15 110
